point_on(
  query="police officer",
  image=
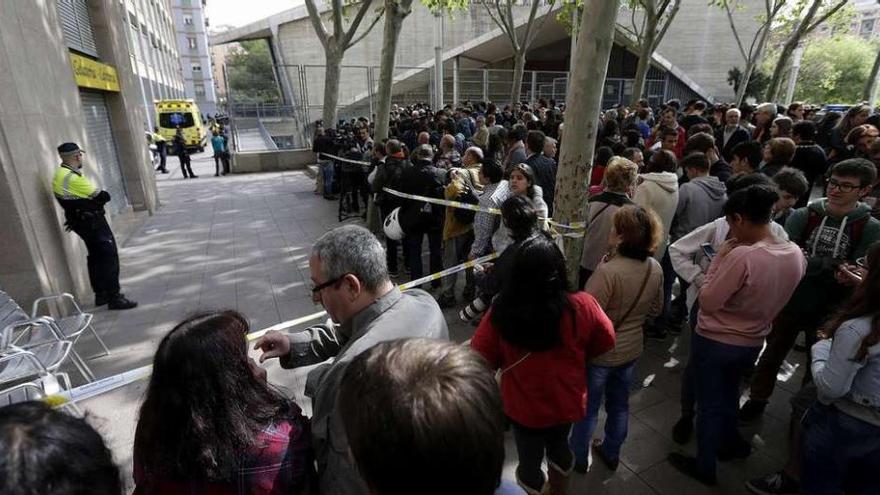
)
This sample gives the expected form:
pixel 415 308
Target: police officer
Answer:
pixel 83 205
pixel 183 155
pixel 161 148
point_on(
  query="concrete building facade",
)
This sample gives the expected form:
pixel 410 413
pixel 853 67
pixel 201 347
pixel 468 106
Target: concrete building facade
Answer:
pixel 693 59
pixel 152 47
pixel 191 25
pixel 69 78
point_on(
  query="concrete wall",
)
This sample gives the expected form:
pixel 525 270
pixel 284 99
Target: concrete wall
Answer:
pixel 40 108
pixel 701 43
pixel 271 161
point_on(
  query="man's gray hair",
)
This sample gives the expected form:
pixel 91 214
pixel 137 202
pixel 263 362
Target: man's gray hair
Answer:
pixel 769 108
pixel 355 250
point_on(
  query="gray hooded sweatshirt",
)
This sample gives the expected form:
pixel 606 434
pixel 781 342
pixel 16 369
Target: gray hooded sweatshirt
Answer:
pixel 700 201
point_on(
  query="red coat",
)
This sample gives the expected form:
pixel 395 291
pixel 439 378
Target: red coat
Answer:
pixel 548 388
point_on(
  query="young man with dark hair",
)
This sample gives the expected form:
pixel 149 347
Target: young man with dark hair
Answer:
pixel 705 143
pixel 544 167
pixel 746 157
pixel 809 157
pixel 831 230
pixel 694 115
pixel 792 186
pixel 424 416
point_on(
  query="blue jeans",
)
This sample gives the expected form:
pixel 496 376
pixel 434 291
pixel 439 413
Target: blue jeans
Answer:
pixel 688 392
pixel 839 453
pixel 718 369
pixel 613 382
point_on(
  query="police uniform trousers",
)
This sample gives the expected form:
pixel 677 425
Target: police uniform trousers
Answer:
pixel 103 258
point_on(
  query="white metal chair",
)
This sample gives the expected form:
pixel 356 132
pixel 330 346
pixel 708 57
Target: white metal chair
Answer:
pixel 74 323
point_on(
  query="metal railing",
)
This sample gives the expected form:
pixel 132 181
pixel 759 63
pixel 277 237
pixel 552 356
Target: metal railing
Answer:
pixel 303 89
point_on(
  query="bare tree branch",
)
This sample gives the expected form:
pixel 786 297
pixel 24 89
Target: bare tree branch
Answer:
pixel 356 23
pixel 376 20
pixel 666 23
pixel 739 44
pixel 831 12
pixel 337 18
pixel 540 25
pixel 317 23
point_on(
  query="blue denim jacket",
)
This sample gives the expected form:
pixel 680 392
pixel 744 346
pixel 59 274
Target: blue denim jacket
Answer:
pixel 839 377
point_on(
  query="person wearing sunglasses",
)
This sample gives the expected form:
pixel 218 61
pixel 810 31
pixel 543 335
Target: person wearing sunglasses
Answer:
pixel 831 231
pixel 349 278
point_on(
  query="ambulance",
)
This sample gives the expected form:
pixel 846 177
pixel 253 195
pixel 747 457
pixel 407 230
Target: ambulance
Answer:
pixel 171 114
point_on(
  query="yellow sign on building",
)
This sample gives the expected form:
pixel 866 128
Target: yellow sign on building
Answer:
pixel 92 74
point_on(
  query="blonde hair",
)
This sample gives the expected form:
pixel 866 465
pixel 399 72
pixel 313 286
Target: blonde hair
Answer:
pixel 620 174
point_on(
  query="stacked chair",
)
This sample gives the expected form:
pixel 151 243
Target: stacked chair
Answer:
pixel 34 347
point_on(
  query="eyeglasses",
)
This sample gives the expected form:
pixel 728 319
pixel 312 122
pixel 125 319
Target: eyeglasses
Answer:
pixel 318 288
pixel 843 187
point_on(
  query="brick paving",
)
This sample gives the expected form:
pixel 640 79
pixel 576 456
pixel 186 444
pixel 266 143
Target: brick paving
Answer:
pixel 243 241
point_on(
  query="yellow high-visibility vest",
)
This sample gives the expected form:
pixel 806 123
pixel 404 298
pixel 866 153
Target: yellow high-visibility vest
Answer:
pixel 70 184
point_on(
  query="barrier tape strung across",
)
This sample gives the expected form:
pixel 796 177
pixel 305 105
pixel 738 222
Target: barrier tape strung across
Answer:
pixel 120 380
pixel 455 204
pixel 348 160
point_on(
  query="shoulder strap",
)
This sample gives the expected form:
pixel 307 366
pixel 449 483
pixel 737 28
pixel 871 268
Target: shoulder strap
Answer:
pixel 638 296
pixel 602 210
pixel 813 221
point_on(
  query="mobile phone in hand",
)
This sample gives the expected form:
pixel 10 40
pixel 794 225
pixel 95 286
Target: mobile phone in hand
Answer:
pixel 708 250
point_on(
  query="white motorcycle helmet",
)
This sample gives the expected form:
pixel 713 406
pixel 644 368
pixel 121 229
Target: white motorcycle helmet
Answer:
pixel 391 226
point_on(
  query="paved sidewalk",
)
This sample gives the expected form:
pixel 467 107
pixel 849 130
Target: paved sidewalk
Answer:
pixel 243 241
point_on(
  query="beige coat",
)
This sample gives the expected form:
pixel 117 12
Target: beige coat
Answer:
pixel 615 285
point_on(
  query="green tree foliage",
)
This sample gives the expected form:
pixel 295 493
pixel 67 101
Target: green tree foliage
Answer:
pixel 251 77
pixel 757 83
pixel 835 70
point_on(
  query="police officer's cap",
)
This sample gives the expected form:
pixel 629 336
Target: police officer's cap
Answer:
pixel 67 149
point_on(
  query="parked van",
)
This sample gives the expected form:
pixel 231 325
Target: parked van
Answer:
pixel 171 114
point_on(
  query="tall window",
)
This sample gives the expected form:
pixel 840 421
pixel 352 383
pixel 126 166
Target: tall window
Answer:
pixel 199 89
pixel 193 43
pixel 188 20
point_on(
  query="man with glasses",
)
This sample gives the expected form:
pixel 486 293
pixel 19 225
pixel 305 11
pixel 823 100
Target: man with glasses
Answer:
pixel 350 279
pixel 833 230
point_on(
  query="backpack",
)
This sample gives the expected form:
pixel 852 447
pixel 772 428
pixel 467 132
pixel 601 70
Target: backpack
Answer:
pixel 467 196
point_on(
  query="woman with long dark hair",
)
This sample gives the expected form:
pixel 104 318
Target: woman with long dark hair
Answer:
pixel 541 335
pixel 522 182
pixel 211 424
pixel 854 117
pixel 841 432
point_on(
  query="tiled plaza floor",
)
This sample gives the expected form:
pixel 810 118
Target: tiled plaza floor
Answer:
pixel 242 242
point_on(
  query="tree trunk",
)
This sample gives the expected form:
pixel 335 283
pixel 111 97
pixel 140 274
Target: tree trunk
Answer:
pixel 332 71
pixel 750 66
pixel 519 68
pixel 583 104
pixel 395 13
pixel 645 52
pixel 871 85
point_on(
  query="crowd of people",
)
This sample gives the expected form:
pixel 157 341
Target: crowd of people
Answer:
pixel 700 222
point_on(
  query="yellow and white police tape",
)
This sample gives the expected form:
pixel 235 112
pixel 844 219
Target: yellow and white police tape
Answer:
pixel 120 380
pixel 456 204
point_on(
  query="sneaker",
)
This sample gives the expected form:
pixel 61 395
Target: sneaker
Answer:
pixel 752 410
pixel 688 465
pixel 683 430
pixel 120 302
pixel 777 483
pixel 600 454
